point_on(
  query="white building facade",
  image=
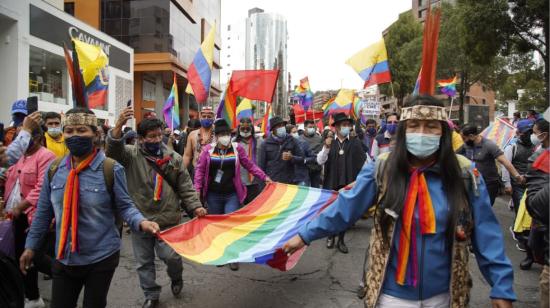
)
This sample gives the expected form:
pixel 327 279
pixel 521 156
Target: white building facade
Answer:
pixel 32 34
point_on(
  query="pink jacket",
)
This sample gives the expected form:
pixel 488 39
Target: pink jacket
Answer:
pixel 203 167
pixel 31 171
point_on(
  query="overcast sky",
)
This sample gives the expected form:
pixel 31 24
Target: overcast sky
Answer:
pixel 323 34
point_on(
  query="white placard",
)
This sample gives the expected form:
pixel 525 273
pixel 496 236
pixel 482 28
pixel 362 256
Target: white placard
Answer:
pixel 371 108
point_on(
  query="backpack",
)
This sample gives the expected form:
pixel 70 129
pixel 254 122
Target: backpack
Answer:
pixel 108 175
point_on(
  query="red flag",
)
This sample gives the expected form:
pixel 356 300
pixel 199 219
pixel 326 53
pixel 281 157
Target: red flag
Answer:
pixel 255 84
pixel 314 115
pixel 299 113
pixel 320 126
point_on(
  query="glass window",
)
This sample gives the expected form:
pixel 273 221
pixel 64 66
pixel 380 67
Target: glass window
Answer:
pixel 69 8
pixel 47 76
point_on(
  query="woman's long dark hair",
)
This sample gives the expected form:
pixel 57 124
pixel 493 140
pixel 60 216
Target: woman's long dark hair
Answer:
pixel 397 171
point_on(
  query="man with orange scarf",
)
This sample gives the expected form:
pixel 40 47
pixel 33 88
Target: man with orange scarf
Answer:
pixel 76 194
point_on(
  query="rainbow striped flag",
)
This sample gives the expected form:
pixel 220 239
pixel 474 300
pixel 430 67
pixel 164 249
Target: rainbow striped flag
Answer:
pixel 171 107
pixel 253 234
pixel 228 107
pixel 500 132
pixel 200 71
pixel 265 122
pixel 448 86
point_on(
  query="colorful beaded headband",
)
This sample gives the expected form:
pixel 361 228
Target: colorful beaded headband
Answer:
pixel 422 112
pixel 80 119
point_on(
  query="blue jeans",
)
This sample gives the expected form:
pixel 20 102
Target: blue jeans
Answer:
pixel 222 203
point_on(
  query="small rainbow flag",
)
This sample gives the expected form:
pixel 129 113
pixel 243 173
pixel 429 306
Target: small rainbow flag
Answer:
pixel 447 86
pixel 265 123
pixel 228 107
pixel 171 107
pixel 253 234
pixel 499 132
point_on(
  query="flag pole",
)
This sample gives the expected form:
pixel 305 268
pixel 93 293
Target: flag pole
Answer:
pixel 391 86
pixel 451 108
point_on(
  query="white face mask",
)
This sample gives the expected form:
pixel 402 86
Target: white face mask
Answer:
pixel 310 131
pixel 535 139
pixel 224 140
pixel 295 135
pixel 245 134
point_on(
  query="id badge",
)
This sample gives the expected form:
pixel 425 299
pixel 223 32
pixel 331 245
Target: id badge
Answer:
pixel 218 178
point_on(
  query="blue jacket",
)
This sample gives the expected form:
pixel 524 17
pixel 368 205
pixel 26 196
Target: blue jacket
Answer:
pixel 434 253
pixel 98 237
pixel 271 162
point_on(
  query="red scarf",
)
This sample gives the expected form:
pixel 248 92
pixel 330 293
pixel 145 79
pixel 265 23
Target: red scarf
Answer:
pixel 157 178
pixel 542 162
pixel 70 205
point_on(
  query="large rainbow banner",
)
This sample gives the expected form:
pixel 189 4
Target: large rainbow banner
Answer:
pixel 253 234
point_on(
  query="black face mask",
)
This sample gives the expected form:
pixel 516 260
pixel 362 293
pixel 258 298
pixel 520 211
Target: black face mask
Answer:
pixel 470 143
pixel 79 145
pixel 525 138
pixel 152 147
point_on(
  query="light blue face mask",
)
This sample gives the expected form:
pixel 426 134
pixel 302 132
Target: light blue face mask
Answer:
pixel 344 131
pixel 422 145
pixel 281 132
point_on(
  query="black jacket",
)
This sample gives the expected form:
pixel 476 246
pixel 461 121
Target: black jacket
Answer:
pixel 271 162
pixel 537 201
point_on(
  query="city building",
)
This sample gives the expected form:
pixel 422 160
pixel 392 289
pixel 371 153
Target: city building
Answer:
pixel 266 48
pixel 420 7
pixel 233 51
pixel 165 36
pixel 32 59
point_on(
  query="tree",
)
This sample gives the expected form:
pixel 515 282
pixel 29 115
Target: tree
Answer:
pixel 507 26
pixel 454 53
pixel 404 46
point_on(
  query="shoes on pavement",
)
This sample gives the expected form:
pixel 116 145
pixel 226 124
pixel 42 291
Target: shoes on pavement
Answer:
pixel 521 247
pixel 514 236
pixel 526 263
pixel 177 286
pixel 234 266
pixel 150 303
pixel 330 242
pixel 342 247
pixel 35 303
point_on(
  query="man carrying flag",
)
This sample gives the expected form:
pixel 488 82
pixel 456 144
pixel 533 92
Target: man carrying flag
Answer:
pixel 157 183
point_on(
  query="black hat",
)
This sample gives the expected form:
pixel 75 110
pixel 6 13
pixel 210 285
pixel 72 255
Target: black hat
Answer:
pixel 340 117
pixel 221 126
pixel 275 121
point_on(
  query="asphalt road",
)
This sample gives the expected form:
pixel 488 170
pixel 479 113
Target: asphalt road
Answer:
pixel 323 278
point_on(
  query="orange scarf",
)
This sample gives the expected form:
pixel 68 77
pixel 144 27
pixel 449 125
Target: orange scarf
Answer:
pixel 418 197
pixel 70 205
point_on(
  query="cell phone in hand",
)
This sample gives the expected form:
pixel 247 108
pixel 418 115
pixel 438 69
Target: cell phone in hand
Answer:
pixel 32 104
pixel 129 103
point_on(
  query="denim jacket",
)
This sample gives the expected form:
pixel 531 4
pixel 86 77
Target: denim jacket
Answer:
pixel 98 237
